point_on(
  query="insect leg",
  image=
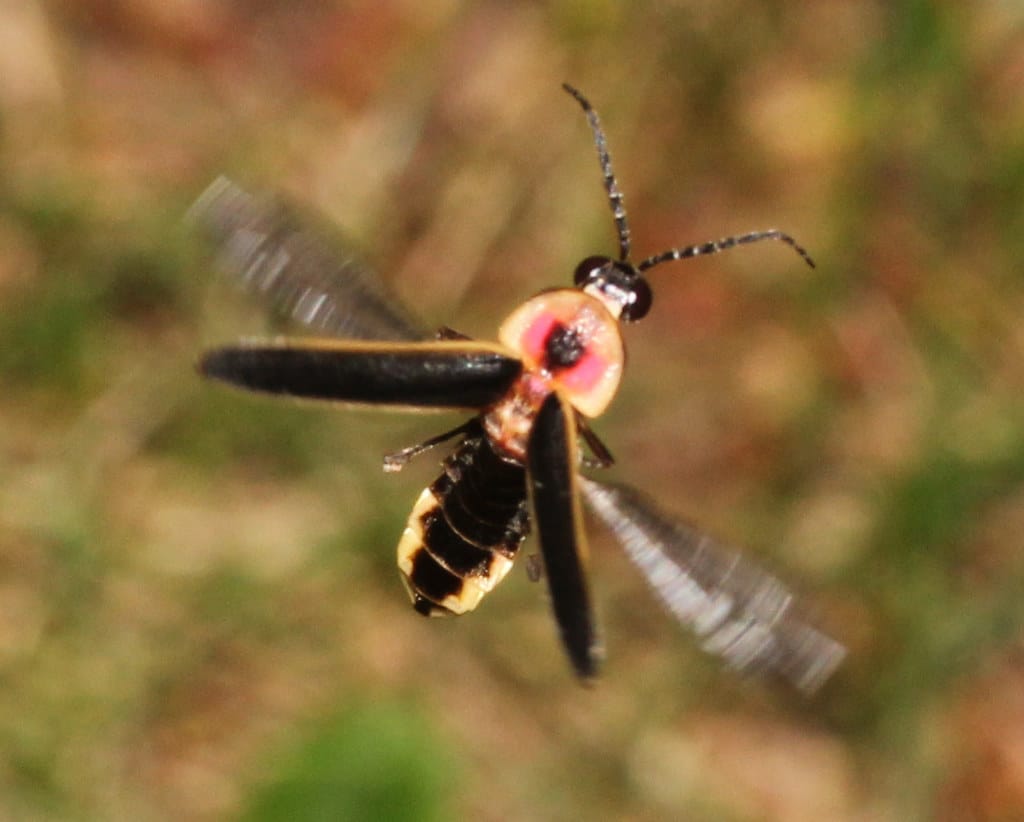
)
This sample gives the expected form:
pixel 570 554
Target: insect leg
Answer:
pixel 602 456
pixel 446 333
pixel 396 460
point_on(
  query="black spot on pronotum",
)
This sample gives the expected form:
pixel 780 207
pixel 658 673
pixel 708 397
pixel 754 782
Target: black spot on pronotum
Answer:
pixel 563 347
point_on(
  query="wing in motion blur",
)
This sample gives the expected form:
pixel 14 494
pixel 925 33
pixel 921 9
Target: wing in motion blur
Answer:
pixel 739 612
pixel 296 271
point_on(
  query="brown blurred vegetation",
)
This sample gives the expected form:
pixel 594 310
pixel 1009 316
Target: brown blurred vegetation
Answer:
pixel 199 612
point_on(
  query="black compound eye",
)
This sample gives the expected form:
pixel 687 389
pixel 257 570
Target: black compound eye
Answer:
pixel 640 302
pixel 588 268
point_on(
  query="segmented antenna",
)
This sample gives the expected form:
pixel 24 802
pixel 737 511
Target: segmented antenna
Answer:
pixel 619 210
pixel 716 246
pixel 610 185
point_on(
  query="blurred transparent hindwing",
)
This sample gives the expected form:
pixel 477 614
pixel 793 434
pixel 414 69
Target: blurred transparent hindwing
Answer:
pixel 740 613
pixel 299 273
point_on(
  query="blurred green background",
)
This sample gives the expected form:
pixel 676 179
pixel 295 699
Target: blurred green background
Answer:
pixel 200 617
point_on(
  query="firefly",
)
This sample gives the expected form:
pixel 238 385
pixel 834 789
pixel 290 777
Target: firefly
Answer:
pixel 516 463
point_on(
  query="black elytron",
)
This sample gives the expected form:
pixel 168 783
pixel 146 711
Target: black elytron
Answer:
pixel 556 365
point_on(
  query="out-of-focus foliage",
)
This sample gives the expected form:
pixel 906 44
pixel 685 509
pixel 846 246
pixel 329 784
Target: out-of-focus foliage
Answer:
pixel 376 762
pixel 199 612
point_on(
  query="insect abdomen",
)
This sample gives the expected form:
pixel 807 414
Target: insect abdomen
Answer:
pixel 464 531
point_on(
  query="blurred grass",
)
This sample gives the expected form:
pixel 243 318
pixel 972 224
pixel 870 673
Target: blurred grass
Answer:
pixel 199 612
pixel 376 762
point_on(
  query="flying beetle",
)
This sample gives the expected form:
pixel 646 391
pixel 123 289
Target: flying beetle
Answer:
pixel 556 366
